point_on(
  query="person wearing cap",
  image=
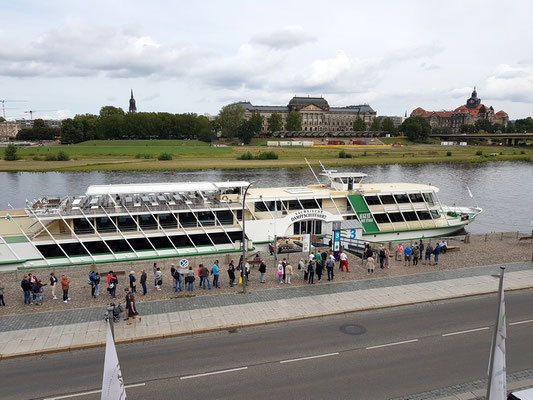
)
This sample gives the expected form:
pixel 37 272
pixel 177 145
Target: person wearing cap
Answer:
pixel 132 282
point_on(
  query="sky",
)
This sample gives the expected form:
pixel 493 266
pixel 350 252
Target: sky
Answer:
pixel 70 57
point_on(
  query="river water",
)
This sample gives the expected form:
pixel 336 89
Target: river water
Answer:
pixel 503 189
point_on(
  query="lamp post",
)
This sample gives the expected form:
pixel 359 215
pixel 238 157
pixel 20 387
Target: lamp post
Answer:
pixel 244 282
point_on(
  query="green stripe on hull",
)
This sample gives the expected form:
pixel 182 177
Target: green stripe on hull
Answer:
pixel 363 213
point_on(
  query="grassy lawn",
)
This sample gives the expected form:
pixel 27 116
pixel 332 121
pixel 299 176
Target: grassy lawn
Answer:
pixel 189 154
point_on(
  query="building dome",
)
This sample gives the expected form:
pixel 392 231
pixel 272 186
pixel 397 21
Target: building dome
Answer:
pixel 297 103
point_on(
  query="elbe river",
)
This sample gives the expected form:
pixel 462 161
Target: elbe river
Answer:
pixel 503 189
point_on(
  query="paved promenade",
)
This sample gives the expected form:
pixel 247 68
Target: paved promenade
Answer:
pixel 80 328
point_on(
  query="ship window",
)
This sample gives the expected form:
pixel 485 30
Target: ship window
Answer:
pixel 225 217
pixel 396 217
pixel 260 206
pixel 187 220
pixel 424 215
pixel 435 214
pixel 238 213
pixel 387 199
pixel 82 226
pixel 220 238
pixel 311 203
pixel 141 244
pixel 97 247
pixel 126 223
pixel 74 249
pixel 372 200
pixel 201 239
pixel 104 224
pixel 429 198
pixel 410 216
pixel 118 245
pixel 206 218
pixel 401 198
pixel 147 222
pixel 50 250
pixel 168 221
pixel 181 241
pixel 161 242
pixel 381 218
pixel 294 205
pixel 416 197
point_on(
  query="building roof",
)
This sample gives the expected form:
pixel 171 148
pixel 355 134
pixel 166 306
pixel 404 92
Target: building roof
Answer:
pixel 501 114
pixel 363 108
pixel 305 101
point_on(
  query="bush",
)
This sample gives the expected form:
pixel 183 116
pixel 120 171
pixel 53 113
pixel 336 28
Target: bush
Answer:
pixel 37 158
pixel 479 153
pixel 245 156
pixel 10 153
pixel 364 153
pixel 50 157
pixel 164 157
pixel 62 156
pixel 343 154
pixel 266 155
pixel 522 152
pixel 448 153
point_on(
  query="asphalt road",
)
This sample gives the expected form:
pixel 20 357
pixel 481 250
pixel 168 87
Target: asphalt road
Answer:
pixel 367 355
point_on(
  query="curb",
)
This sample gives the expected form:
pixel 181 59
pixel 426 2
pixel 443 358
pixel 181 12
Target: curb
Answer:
pixel 239 326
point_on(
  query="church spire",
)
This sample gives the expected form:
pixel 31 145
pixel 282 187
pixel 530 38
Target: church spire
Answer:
pixel 133 107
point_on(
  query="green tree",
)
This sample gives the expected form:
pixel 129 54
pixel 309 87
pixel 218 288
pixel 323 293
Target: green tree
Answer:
pixel 110 127
pixel 275 123
pixel 467 128
pixel 359 125
pixel 106 111
pixel 204 130
pixel 71 131
pixel 230 118
pixel 388 125
pixel 483 125
pixel 524 125
pixel 10 153
pixel 417 129
pixel 257 122
pixel 88 123
pixel 293 121
pixel 376 125
pixel 245 132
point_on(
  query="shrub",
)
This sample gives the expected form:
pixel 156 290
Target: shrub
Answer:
pixel 343 154
pixel 164 157
pixel 62 156
pixel 266 155
pixel 50 157
pixel 479 153
pixel 448 153
pixel 10 153
pixel 36 158
pixel 245 156
pixel 522 152
pixel 364 153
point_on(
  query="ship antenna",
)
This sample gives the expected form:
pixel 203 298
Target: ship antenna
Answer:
pixel 316 177
pixel 326 171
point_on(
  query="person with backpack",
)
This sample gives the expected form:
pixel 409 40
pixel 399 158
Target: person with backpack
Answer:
pixel 204 274
pixel 37 289
pixel 429 252
pixel 436 253
pixel 143 281
pixel 177 278
pixel 416 254
pixel 158 278
pixel 189 279
pixel 26 288
pixel 262 271
pixel 382 255
pixel 91 282
pixel 112 289
pixel 133 286
pixel 311 272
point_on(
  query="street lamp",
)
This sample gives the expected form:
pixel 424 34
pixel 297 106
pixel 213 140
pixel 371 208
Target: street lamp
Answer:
pixel 244 282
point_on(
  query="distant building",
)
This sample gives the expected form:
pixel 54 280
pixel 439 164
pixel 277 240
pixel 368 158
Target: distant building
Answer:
pixel 397 121
pixel 28 123
pixel 317 115
pixel 8 130
pixel 466 114
pixel 133 107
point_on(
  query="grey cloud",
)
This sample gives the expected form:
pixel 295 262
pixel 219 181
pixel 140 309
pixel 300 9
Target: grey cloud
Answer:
pixel 285 38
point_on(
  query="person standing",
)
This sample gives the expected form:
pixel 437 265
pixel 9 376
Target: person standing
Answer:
pixel 215 270
pixel 127 302
pixel 262 271
pixel 429 252
pixel 143 281
pixel 370 264
pixel 26 288
pixel 158 278
pixel 387 258
pixel 436 253
pixel 177 278
pixel 443 246
pixel 200 279
pixel 344 261
pixel 288 273
pixel 421 247
pixel 382 256
pixel 189 279
pixel 65 285
pixel 132 310
pixel 133 286
pixel 53 285
pixel 96 284
pixel 284 264
pixel 280 272
pixel 319 267
pixel 303 267
pixel 330 266
pixel 407 253
pixel 247 271
pixel 416 254
pixel 399 252
pixel 154 269
pixel 204 274
pixel 109 277
pixel 231 273
pixel 2 303
pixel 311 271
pixel 324 257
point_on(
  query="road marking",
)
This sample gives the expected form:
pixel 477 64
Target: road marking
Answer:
pixel 308 358
pixel 213 373
pixel 521 322
pixel 468 331
pixel 392 344
pixel 68 396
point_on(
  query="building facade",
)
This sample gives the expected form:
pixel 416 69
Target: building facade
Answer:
pixel 8 130
pixel 317 115
pixel 466 114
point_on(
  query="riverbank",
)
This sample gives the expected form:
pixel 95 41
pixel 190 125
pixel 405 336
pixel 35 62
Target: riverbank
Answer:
pixel 143 155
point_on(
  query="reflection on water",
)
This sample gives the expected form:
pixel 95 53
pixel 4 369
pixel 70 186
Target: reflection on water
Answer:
pixel 503 189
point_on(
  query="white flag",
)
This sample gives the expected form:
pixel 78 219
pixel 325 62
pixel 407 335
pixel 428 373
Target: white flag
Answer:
pixel 469 192
pixel 498 386
pixel 112 383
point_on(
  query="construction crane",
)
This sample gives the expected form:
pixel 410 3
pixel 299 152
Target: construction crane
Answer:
pixel 9 101
pixel 36 111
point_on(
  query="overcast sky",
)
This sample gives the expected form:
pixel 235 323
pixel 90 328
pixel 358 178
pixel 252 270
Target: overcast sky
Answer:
pixel 196 56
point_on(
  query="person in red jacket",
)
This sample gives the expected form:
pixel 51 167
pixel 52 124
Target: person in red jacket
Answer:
pixel 65 285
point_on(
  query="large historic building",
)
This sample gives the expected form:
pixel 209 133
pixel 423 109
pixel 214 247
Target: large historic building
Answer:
pixel 316 113
pixel 467 114
pixel 8 130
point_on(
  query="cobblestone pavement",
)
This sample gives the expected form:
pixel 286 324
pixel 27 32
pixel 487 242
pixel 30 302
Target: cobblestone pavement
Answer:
pixel 473 390
pixel 73 316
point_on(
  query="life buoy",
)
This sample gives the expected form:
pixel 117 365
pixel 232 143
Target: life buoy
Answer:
pixel 224 198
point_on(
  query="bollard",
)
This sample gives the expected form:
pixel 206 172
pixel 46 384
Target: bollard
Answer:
pixel 501 237
pixel 467 238
pixel 109 317
pixel 485 237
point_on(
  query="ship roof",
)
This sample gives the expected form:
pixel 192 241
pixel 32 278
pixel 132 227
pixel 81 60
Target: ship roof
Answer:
pixel 163 187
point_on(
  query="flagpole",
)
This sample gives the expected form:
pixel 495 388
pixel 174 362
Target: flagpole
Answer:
pixel 493 347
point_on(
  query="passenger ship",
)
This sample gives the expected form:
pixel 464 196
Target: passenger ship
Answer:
pixel 112 223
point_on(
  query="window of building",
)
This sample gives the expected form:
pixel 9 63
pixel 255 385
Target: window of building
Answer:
pixel 410 216
pixel 401 198
pixel 381 218
pixel 396 217
pixel 416 197
pixel 435 214
pixel 372 200
pixel 429 198
pixel 387 199
pixel 423 215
